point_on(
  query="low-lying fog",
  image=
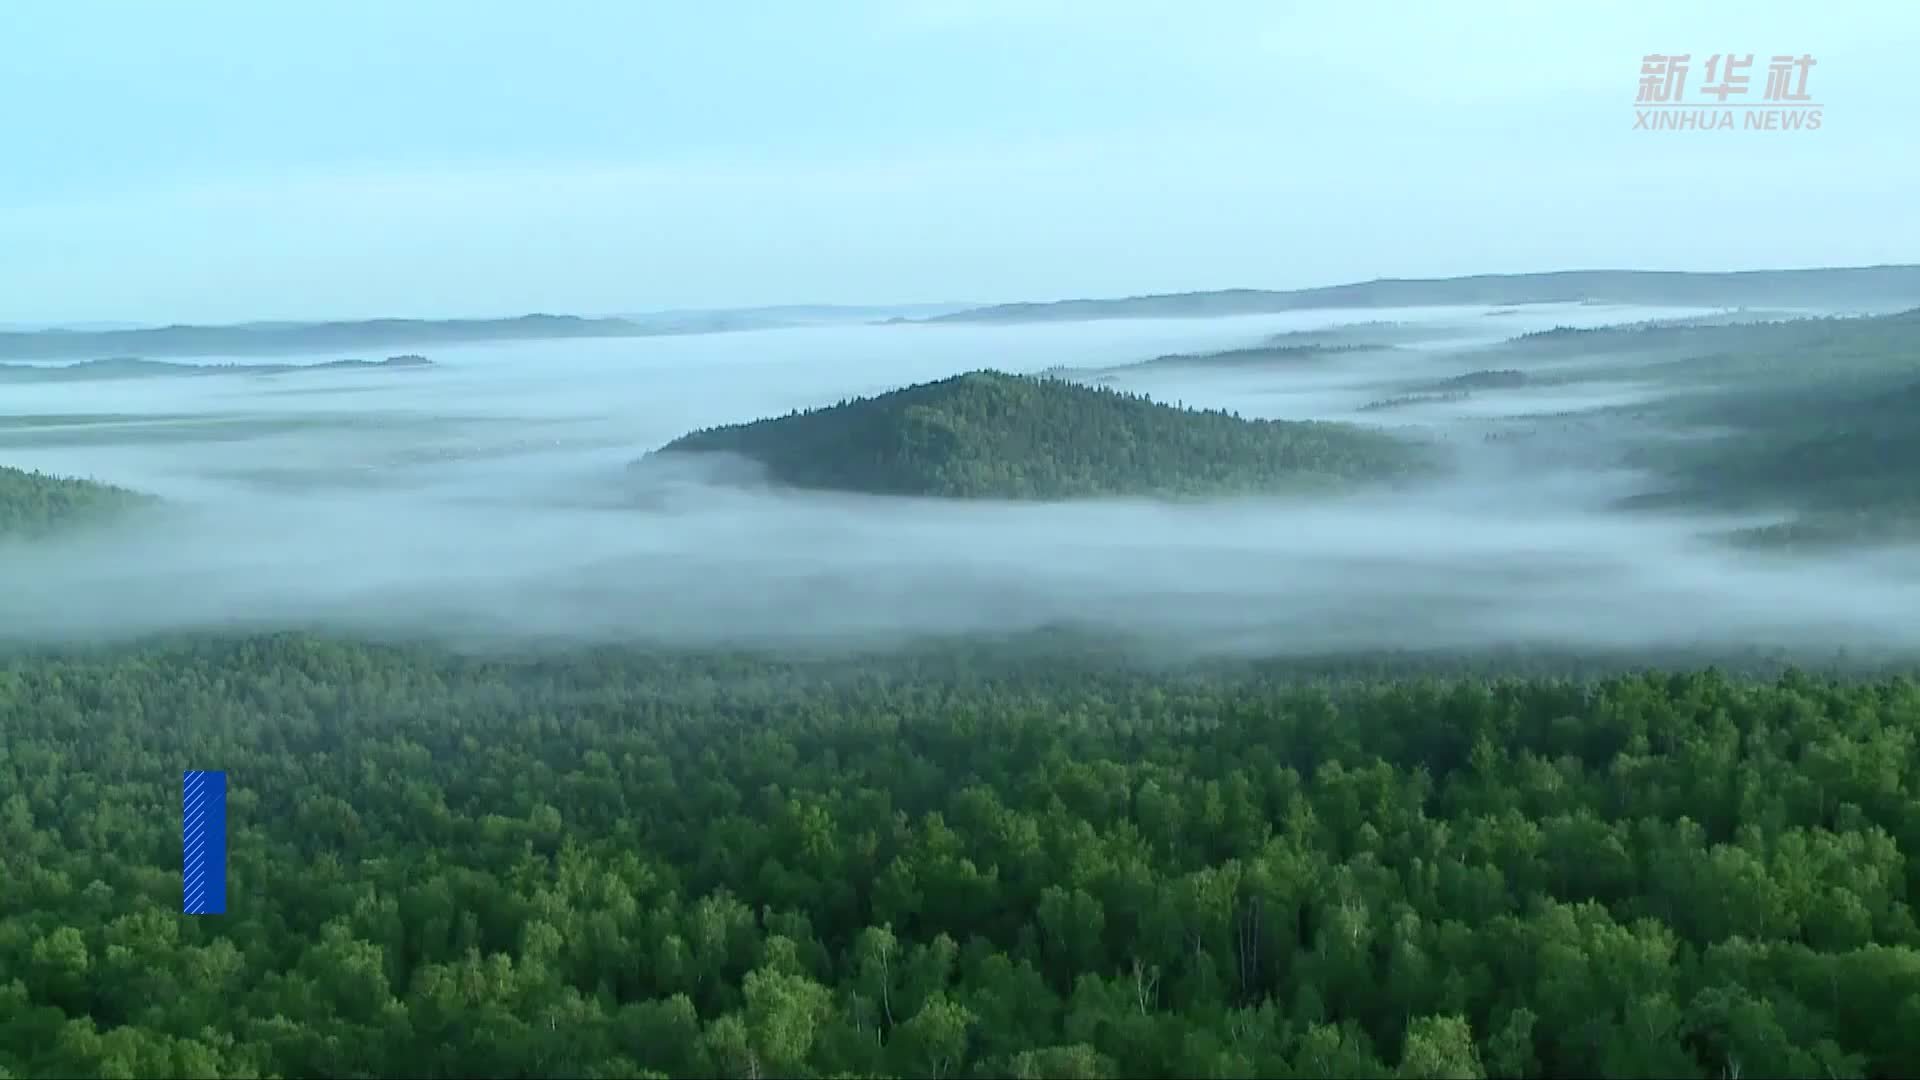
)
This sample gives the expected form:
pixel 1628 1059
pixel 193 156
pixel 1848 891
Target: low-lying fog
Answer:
pixel 485 500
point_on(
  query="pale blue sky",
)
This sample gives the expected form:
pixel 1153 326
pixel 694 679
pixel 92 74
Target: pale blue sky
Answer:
pixel 218 161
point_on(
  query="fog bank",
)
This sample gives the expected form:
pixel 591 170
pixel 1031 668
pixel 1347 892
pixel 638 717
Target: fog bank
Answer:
pixel 487 501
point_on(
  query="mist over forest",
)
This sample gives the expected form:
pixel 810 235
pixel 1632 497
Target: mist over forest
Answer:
pixel 488 498
pixel 987 540
pixel 1461 690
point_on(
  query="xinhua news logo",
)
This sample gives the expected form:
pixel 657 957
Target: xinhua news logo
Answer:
pixel 1724 98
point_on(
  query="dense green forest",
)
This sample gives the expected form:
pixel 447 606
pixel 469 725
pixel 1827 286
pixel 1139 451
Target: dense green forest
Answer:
pixel 615 864
pixel 992 435
pixel 35 505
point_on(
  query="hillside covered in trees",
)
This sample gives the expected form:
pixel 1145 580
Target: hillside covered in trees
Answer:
pixel 1846 459
pixel 34 505
pixel 1814 417
pixel 618 864
pixel 992 435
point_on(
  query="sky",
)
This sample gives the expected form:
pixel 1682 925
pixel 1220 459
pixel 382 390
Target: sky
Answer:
pixel 220 161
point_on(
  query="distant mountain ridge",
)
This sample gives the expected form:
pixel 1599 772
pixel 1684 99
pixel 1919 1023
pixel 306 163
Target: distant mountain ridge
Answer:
pixel 255 339
pixel 783 315
pixel 1857 288
pixel 1868 286
pixel 133 367
pixel 266 338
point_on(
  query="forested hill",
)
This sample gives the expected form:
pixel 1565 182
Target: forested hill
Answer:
pixel 991 435
pixel 1813 417
pixel 34 505
pixel 1838 287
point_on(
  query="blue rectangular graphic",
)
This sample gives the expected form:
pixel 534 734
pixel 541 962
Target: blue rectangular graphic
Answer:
pixel 203 843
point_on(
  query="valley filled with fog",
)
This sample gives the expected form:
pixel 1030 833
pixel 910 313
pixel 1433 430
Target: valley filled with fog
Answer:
pixel 486 499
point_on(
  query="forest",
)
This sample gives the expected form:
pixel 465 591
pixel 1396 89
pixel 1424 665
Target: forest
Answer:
pixel 955 863
pixel 1846 456
pixel 36 506
pixel 991 435
pixel 1048 855
pixel 1813 416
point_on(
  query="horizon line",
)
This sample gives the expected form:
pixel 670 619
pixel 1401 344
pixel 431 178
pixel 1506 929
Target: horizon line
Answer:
pixel 116 326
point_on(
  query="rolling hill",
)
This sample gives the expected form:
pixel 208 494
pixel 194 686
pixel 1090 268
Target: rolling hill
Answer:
pixel 990 435
pixel 1812 418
